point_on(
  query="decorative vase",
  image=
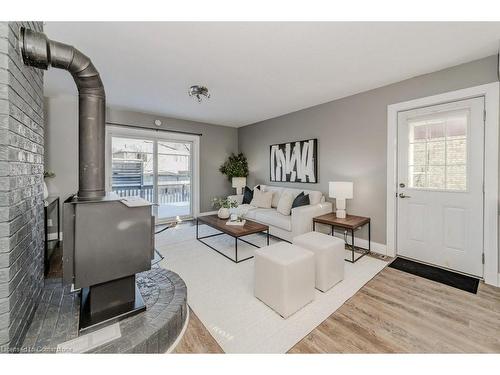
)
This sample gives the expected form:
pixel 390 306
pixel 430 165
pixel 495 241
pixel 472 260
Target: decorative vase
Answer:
pixel 223 213
pixel 45 191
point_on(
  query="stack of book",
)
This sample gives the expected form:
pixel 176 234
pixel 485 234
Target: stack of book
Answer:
pixel 236 222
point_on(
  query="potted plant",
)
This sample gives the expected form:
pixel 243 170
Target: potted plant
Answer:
pixel 236 170
pixel 223 205
pixel 47 174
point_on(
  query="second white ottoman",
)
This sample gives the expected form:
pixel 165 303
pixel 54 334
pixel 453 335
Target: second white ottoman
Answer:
pixel 284 277
pixel 329 253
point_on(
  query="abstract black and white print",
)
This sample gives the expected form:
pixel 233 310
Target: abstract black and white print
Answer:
pixel 294 161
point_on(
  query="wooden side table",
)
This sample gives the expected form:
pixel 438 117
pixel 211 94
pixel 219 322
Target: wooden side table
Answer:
pixel 350 223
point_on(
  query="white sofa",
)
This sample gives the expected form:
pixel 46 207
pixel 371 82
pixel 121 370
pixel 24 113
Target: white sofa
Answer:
pixel 283 226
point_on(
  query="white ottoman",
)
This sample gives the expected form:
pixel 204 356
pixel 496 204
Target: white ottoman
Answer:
pixel 329 253
pixel 284 277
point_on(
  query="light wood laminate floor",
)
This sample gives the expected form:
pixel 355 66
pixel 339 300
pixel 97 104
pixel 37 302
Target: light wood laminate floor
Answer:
pixel 395 312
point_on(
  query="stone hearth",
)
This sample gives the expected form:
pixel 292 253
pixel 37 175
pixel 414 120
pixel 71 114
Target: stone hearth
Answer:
pixel 153 331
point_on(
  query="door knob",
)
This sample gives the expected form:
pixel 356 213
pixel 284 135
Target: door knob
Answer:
pixel 402 195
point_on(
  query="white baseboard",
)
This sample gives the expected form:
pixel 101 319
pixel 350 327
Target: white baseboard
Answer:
pixel 375 246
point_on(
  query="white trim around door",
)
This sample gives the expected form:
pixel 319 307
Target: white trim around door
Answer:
pixel 490 92
pixel 124 131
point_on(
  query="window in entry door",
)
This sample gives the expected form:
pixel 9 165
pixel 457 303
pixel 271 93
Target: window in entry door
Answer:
pixel 437 153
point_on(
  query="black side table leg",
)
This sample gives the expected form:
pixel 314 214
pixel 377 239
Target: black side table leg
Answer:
pixel 236 248
pixel 369 237
pixel 353 247
pixel 58 224
pixel 46 248
pixel 267 236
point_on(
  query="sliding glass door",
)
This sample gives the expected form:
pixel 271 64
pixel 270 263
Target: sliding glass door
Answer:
pixel 174 179
pixel 149 165
pixel 132 168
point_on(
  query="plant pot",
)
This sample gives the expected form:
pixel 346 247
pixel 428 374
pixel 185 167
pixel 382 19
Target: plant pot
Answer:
pixel 223 213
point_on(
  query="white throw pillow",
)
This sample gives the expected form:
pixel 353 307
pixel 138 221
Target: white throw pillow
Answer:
pixel 276 199
pixel 314 196
pixel 285 203
pixel 262 199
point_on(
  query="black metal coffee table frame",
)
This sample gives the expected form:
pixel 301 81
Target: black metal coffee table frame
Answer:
pixel 236 238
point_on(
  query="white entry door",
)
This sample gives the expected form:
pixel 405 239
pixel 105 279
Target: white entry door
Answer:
pixel 440 185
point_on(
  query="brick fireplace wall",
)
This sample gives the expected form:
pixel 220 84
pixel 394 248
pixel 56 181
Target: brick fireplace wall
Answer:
pixel 21 187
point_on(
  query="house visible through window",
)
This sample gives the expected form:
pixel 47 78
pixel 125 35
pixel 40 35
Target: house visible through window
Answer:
pixel 438 151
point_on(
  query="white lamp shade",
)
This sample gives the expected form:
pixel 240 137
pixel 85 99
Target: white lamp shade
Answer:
pixel 239 182
pixel 341 189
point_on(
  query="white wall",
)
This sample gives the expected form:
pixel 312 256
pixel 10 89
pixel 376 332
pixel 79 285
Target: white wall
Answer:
pixel 61 145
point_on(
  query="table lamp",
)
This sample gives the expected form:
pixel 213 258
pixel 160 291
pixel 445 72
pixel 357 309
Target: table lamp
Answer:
pixel 239 183
pixel 340 190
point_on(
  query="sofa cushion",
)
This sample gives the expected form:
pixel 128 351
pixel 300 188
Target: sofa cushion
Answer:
pixel 252 211
pixel 315 196
pixel 285 203
pixel 276 199
pixel 294 192
pixel 245 210
pixel 301 200
pixel 248 194
pixel 262 199
pixel 274 218
pixel 276 194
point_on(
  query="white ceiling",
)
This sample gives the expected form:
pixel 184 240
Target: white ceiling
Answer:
pixel 257 71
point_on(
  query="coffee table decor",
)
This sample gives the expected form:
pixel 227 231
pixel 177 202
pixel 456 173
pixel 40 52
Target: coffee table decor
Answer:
pixel 224 206
pixel 235 231
pixel 238 223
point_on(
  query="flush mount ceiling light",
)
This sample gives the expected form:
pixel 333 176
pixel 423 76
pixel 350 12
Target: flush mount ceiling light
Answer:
pixel 199 92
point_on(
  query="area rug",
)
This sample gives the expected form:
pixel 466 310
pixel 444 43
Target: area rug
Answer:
pixel 221 293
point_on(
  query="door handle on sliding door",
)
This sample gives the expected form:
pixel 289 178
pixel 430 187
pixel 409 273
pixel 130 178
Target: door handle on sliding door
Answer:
pixel 402 195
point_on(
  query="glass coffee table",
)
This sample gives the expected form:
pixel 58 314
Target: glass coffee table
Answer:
pixel 235 231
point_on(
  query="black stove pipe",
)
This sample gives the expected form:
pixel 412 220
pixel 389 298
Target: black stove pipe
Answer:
pixel 40 52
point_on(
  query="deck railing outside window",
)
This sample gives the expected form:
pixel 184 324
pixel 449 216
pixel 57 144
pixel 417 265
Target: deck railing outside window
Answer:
pixel 172 193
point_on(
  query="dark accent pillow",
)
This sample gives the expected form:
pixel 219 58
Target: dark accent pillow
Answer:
pixel 248 195
pixel 301 200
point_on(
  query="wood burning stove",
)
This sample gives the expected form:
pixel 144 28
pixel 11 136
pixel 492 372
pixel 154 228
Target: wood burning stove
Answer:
pixel 107 239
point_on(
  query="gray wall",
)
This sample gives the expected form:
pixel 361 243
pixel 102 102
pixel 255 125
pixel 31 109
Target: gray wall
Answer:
pixel 352 136
pixel 21 192
pixel 216 143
